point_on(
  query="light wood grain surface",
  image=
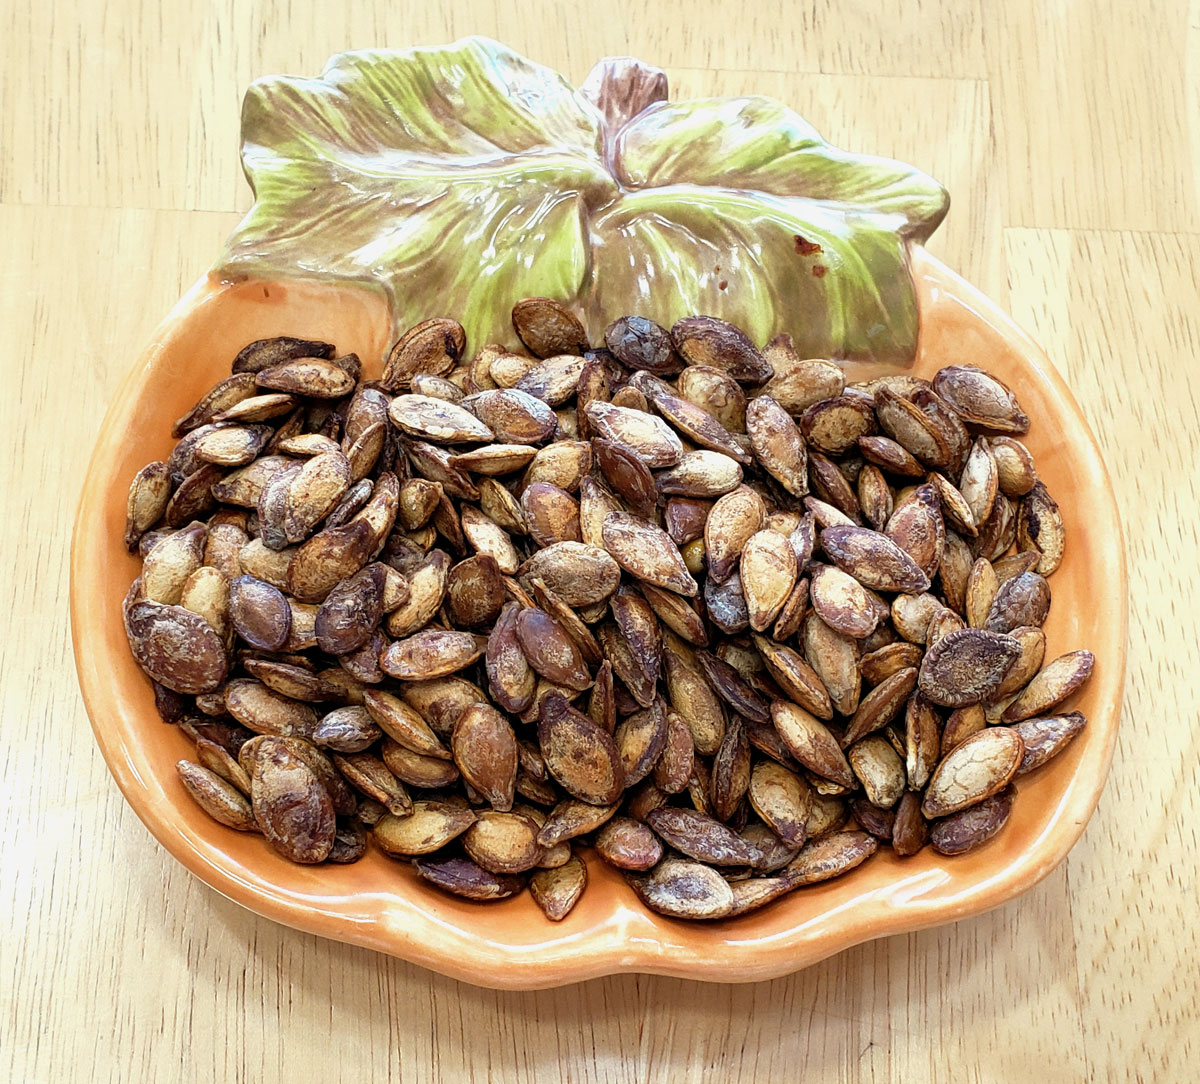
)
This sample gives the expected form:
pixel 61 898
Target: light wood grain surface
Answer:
pixel 1069 136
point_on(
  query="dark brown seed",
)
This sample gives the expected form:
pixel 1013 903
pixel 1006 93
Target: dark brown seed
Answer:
pixel 628 844
pixel 1040 528
pixel 581 756
pixel 640 740
pixel 683 889
pixel 705 340
pixel 910 831
pixel 733 688
pixel 641 344
pixel 645 551
pixel 327 558
pixel 474 592
pixel 572 818
pixel 485 751
pixel 726 604
pixel 963 831
pixel 347 730
pixel 880 823
pixel 547 327
pixel 701 837
pixel 886 454
pixel 916 527
pixel 694 699
pixel 290 805
pixel 1047 736
pixel 462 877
pixel 402 723
pixel 830 857
pixel 550 649
pixel 1023 600
pixel 921 741
pixel 883 662
pixel 981 399
pixel 556 891
pixel 432 346
pixel 881 705
pixel 965 666
pixel 510 678
pixel 873 559
pixel 351 611
pixel 730 771
pixel 265 353
pixel 811 742
pixel 796 678
pixel 430 773
pixel 627 474
pixel 175 647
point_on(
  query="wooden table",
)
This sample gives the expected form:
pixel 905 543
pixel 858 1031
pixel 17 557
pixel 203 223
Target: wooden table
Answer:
pixel 1069 135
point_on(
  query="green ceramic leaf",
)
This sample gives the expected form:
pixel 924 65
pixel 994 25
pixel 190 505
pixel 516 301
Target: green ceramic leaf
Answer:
pixel 461 179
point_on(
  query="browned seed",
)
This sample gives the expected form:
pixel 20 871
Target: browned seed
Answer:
pixel 696 702
pixel 730 771
pixel 916 527
pixel 963 831
pixel 429 827
pixel 556 891
pixel 306 445
pixel 629 476
pixel 1053 684
pixel 641 344
pixel 833 426
pixel 553 380
pixel 363 663
pixel 654 442
pixel 149 494
pixel 884 661
pixel 889 456
pixel 628 844
pixel 488 537
pixel 510 678
pixel 954 571
pixel 922 740
pixel 502 842
pixel 976 769
pixel 347 730
pixel 436 465
pixel 880 823
pixel 732 687
pixel 639 628
pixel 206 592
pixel 701 837
pixel 981 591
pixel 782 799
pixel 474 592
pixel 572 818
pixel 963 667
pixel 956 511
pixel 351 611
pixel 683 517
pixel 874 496
pixel 910 831
pixel 768 573
pixel 578 573
pixel 879 769
pixel 810 742
pixel 795 677
pixel 834 657
pixel 676 613
pixel 417 770
pixel 291 806
pixel 327 558
pixel 222 397
pixel 696 423
pixel 265 712
pixel 979 482
pixel 436 386
pixel 257 408
pixel 515 417
pixel 705 340
pixel 367 773
pixel 432 346
pixel 830 856
pixel 1015 471
pixel 981 399
pixel 440 701
pixel 881 705
pixel 841 601
pixel 581 756
pixel 228 445
pixel 550 650
pixel 799 382
pixel 1022 601
pixel 726 604
pixel 223 546
pixel 432 653
pixel 732 522
pixel 547 327
pixel 216 758
pixel 265 353
pixel 259 612
pixel 218 797
pixel 170 562
pixel 419 499
pixel 318 378
pixel 833 486
pixel 565 463
pixel 684 889
pixel 715 392
pixel 462 877
pixel 911 428
pixel 702 473
pixel 175 647
pixel 646 551
pixel 244 486
pixel 1047 736
pixel 403 723
pixel 485 751
pixel 949 427
pixel 640 739
pixel 778 445
pixel 551 514
pixel 437 420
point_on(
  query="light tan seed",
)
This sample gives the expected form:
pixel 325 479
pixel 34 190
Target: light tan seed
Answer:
pixel 429 827
pixel 782 799
pixel 778 445
pixel 841 601
pixel 799 382
pixel 557 891
pixel 219 798
pixel 318 378
pixel 206 592
pixel 963 831
pixel 1033 649
pixel 976 769
pixel 149 493
pixel 715 392
pixel 646 551
pixel 981 592
pixel 1016 474
pixel 834 656
pixel 502 842
pixel 733 520
pixel 768 573
pixel 1053 684
pixel 879 769
pixel 170 562
pixel 981 398
pixel 980 480
pixel 432 653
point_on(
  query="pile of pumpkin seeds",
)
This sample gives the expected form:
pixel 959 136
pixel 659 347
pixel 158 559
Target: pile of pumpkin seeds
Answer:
pixel 702 607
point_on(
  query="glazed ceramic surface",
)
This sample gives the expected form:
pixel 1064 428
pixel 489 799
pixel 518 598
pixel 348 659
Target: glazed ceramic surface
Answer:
pixel 379 903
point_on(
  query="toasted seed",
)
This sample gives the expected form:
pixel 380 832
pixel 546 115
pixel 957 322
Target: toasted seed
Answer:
pixel 556 891
pixel 502 842
pixel 1040 528
pixel 578 573
pixel 956 509
pixel 547 327
pixel 733 688
pixel 795 677
pixel 880 823
pixel 581 756
pixel 327 558
pixel 462 877
pixel 259 612
pixel 701 837
pixel 981 399
pixel 730 771
pixel 705 340
pixel 981 590
pixel 641 344
pixel 768 574
pixel 881 705
pixel 403 723
pixel 219 798
pixel 1053 684
pixel 291 806
pixel 963 667
pixel 726 604
pixel 438 387
pixel 732 522
pixel 834 657
pixel 175 647
pixel 798 382
pixel 782 799
pixel 910 831
pixel 702 473
pixel 432 346
pixel 511 680
pixel 645 551
pixel 654 442
pixel 627 473
pixel 429 827
pixel 628 844
pixel 1015 471
pixel 170 562
pixel 810 742
pixel 149 494
pixel 883 662
pixel 550 650
pixel 917 528
pixel 922 741
pixel 346 730
pixel 976 769
pixel 316 377
pixel 963 831
pixel 778 445
pixel 265 353
pixel 879 769
pixel 715 392
pixel 954 571
pixel 829 857
pixel 640 739
pixel 369 774
pixel 1023 600
pixel 841 601
pixel 432 653
pixel 833 425
pixel 696 702
pixel 572 818
pixel 889 456
pixel 416 769
pixel 684 889
pixel 437 420
pixel 485 751
pixel 266 712
pixel 206 592
pixel 514 416
pixel 874 559
pixel 980 481
pixel 1046 736
pixel 874 496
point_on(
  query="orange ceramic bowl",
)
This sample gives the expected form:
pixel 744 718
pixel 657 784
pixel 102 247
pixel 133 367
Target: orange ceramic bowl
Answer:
pixel 380 903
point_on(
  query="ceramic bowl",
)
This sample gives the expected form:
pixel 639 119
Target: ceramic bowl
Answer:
pixel 380 904
pixel 632 203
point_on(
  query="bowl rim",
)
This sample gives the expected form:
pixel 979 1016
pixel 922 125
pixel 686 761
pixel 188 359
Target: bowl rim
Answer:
pixel 618 944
